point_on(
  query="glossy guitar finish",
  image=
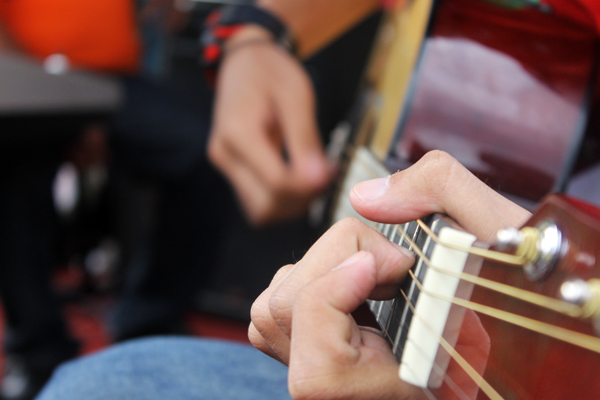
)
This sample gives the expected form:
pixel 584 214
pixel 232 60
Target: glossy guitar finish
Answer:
pixel 528 365
pixel 513 360
pixel 505 92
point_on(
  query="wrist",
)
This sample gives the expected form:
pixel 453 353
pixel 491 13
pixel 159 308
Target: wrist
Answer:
pixel 232 26
pixel 246 34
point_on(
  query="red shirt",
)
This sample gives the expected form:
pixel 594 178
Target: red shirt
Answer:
pixel 583 11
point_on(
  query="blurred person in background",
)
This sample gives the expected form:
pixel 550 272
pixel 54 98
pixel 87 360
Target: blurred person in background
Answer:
pixel 156 141
pixel 37 338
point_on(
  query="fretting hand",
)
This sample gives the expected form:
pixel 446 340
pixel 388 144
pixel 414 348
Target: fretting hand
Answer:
pixel 303 318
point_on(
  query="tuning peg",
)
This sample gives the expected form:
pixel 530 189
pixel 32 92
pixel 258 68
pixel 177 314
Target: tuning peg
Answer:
pixel 585 294
pixel 539 246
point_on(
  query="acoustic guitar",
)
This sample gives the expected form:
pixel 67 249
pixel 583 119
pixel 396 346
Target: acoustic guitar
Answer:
pixel 505 90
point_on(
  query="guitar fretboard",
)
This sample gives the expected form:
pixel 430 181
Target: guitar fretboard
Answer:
pixel 394 316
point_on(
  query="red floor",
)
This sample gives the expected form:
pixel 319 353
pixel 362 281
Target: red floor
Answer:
pixel 86 318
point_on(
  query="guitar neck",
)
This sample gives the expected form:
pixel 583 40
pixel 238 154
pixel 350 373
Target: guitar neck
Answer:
pixel 395 317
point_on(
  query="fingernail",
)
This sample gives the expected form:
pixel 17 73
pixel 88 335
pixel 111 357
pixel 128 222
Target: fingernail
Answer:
pixel 404 250
pixel 356 258
pixel 372 189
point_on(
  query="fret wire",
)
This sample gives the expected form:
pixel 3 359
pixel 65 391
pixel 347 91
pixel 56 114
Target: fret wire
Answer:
pixel 404 314
pixel 384 323
pixel 392 320
pixel 559 306
pixel 474 375
pixel 387 311
pixel 508 290
pixel 438 370
pixel 404 328
pixel 573 337
pixel 400 338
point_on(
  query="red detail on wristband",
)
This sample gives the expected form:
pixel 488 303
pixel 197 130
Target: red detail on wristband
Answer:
pixel 212 53
pixel 225 31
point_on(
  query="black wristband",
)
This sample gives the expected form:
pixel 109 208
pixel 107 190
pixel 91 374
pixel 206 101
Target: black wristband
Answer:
pixel 224 22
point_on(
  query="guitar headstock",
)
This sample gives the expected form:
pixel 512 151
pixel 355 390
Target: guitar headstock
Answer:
pixel 547 348
pixel 561 240
pixel 525 329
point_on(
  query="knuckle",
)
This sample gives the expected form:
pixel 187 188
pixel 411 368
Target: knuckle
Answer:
pixel 309 298
pixel 280 307
pixel 301 388
pixel 260 315
pixel 435 169
pixel 438 162
pixel 281 272
pixel 348 225
pixel 255 337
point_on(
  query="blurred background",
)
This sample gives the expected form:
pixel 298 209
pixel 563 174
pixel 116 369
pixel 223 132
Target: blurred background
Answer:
pixel 109 210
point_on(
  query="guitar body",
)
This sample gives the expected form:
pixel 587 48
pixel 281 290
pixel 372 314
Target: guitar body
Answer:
pixel 506 92
pixel 528 365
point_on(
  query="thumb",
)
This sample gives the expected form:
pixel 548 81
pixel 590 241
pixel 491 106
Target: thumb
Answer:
pixel 437 183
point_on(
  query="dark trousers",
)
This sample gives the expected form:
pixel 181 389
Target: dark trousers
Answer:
pixel 28 232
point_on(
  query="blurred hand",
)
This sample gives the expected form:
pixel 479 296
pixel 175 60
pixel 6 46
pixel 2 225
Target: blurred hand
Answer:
pixel 264 137
pixel 303 318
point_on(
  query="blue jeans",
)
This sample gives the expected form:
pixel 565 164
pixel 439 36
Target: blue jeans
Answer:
pixel 170 368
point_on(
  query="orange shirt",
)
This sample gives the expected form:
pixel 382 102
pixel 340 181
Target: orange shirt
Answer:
pixel 100 35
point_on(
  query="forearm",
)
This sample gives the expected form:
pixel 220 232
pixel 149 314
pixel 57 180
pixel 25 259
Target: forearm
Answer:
pixel 317 22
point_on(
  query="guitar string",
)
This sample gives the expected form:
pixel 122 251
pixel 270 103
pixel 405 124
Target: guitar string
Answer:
pixel 481 383
pixel 530 297
pixel 461 395
pixel 555 305
pixel 474 375
pixel 510 259
pixel 438 370
pixel 579 339
pixel 575 338
pixel 559 306
pixel 591 343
